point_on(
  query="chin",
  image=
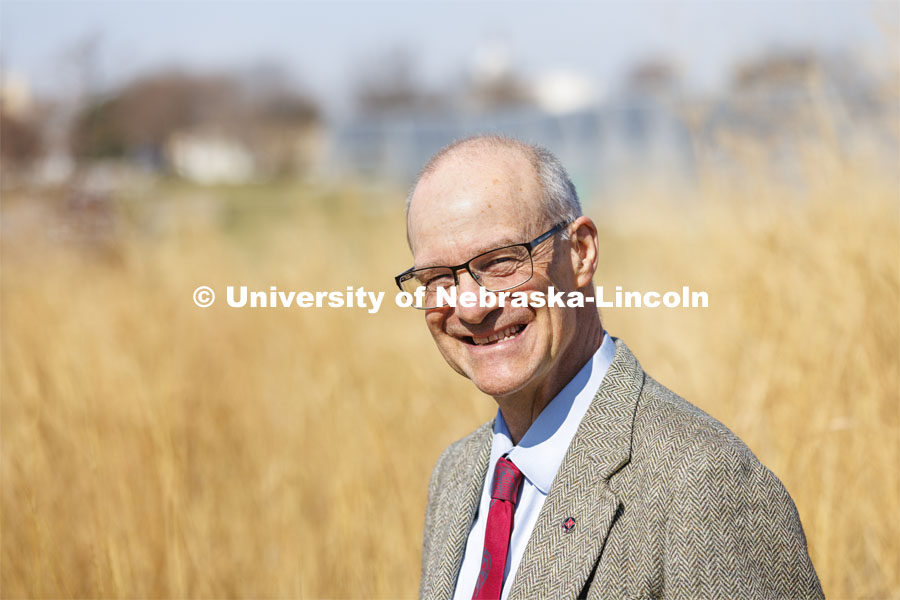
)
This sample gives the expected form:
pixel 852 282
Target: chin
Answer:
pixel 498 385
pixel 493 389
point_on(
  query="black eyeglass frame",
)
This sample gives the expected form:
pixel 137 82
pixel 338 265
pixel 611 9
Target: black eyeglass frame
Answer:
pixel 529 246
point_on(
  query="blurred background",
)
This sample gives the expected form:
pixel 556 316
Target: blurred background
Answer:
pixel 151 448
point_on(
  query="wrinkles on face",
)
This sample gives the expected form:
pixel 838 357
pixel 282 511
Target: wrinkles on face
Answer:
pixel 475 203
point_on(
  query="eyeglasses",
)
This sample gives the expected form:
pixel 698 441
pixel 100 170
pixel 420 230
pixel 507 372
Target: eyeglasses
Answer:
pixel 495 270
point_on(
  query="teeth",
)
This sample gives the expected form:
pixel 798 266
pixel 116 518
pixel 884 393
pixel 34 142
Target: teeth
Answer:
pixel 506 334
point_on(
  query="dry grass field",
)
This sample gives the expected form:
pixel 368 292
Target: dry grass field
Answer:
pixel 151 448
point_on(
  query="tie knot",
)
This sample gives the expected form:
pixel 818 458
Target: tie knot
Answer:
pixel 507 478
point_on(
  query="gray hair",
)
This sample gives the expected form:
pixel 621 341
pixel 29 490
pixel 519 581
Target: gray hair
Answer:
pixel 560 200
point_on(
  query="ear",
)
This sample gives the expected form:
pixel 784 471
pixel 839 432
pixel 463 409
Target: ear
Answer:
pixel 583 238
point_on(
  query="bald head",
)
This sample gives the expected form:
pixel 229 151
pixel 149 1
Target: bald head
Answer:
pixel 473 146
pixel 556 199
pixel 471 192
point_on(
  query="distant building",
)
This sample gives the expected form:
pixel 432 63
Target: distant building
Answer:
pixel 210 158
pixel 601 146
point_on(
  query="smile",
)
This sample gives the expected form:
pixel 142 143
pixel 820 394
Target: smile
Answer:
pixel 501 336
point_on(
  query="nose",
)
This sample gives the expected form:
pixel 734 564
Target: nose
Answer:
pixel 475 313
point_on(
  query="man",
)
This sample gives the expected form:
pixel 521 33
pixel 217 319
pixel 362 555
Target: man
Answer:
pixel 593 480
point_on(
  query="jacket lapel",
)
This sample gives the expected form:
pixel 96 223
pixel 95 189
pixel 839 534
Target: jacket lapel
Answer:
pixel 559 557
pixel 463 492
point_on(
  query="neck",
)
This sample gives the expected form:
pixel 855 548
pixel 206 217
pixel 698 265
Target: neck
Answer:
pixel 522 408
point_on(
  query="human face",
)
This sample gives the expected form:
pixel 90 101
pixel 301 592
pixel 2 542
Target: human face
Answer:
pixel 470 205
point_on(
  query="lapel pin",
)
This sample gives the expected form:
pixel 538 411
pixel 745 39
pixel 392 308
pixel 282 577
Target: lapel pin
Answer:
pixel 569 525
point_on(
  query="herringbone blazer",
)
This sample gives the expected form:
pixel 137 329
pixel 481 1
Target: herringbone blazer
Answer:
pixel 667 502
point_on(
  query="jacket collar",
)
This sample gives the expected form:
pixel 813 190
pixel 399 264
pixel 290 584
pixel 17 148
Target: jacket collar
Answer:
pixel 601 446
pixel 541 450
pixel 581 491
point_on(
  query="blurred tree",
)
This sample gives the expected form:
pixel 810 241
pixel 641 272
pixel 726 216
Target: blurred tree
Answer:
pixel 138 121
pixel 81 65
pixel 657 77
pixel 388 83
pixel 147 111
pixel 20 140
pixel 775 70
pixel 775 94
pixel 493 84
pixel 506 90
pixel 97 134
pixel 282 124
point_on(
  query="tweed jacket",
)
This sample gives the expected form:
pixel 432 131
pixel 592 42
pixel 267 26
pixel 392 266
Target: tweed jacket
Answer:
pixel 667 502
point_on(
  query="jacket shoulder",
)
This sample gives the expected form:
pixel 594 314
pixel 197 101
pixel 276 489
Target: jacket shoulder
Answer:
pixel 670 430
pixel 722 524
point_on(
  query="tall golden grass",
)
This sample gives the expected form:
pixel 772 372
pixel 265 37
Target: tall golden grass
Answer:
pixel 151 448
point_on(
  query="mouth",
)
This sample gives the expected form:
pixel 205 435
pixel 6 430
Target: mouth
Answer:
pixel 497 338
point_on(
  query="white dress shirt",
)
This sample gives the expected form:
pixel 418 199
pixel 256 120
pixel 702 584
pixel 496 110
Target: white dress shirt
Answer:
pixel 538 456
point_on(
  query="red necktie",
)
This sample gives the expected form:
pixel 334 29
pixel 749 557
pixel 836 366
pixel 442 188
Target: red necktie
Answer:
pixel 499 526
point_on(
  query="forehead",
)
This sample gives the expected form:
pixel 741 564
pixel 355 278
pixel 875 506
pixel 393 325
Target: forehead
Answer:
pixel 472 203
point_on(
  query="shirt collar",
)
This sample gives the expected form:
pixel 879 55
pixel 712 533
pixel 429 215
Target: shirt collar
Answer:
pixel 542 448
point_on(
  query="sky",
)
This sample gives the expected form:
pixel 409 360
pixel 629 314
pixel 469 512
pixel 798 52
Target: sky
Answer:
pixel 324 45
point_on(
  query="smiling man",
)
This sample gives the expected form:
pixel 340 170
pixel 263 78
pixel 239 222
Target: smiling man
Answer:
pixel 593 480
